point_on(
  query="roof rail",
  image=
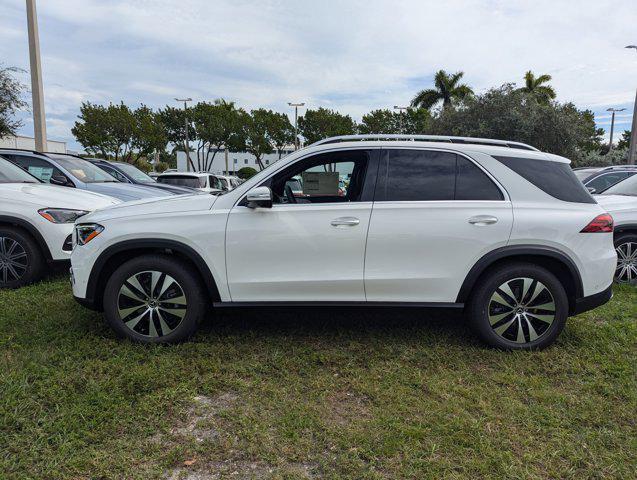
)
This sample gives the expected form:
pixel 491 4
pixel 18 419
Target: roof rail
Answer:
pixel 426 138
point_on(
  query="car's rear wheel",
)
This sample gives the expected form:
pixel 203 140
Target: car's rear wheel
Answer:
pixel 21 261
pixel 518 307
pixel 154 299
pixel 626 248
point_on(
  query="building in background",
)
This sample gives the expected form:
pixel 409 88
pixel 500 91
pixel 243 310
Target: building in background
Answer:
pixel 236 160
pixel 28 143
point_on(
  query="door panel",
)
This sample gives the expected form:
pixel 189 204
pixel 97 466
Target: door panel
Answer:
pixel 422 251
pixel 295 253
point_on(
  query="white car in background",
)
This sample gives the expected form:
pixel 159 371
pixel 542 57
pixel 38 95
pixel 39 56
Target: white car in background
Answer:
pixel 620 201
pixel 202 181
pixel 36 223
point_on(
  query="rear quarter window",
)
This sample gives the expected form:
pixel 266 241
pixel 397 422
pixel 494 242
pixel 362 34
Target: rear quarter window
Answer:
pixel 554 178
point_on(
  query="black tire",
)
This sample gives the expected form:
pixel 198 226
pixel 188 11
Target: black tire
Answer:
pixel 179 327
pixel 505 330
pixel 622 241
pixel 24 250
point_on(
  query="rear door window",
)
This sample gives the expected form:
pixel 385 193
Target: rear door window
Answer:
pixel 39 168
pixel 606 180
pixel 554 178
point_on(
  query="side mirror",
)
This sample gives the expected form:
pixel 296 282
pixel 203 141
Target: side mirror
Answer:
pixel 591 189
pixel 59 180
pixel 259 197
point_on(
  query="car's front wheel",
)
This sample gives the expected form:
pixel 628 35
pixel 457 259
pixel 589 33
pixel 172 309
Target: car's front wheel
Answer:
pixel 518 307
pixel 21 261
pixel 626 248
pixel 154 299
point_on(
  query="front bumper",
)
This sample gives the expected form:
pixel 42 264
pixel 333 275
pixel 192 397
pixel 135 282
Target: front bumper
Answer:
pixel 585 304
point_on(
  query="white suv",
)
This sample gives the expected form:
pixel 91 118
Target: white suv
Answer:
pixel 497 228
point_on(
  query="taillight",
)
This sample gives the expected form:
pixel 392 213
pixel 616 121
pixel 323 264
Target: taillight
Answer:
pixel 600 224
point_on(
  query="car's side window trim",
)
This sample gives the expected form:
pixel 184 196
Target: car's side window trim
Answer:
pixel 383 172
pixel 369 180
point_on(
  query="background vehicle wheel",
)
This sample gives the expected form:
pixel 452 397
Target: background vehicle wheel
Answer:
pixel 21 261
pixel 519 307
pixel 154 299
pixel 626 247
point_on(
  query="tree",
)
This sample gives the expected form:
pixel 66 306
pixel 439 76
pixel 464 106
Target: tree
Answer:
pixel 322 123
pixel 505 113
pixel 281 131
pixel 118 132
pixel 10 101
pixel 624 141
pixel 536 88
pixel 255 138
pixel 246 172
pixel 174 122
pixel 446 90
pixel 413 121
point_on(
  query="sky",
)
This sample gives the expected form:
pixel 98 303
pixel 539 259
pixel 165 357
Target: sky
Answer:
pixel 352 56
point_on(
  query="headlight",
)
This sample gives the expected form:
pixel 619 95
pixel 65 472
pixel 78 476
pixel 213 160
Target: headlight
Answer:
pixel 61 215
pixel 84 233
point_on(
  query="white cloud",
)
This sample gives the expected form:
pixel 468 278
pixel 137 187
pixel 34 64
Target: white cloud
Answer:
pixel 349 55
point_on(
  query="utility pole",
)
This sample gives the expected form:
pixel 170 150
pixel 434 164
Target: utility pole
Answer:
pixel 296 122
pixel 37 90
pixel 612 125
pixel 401 111
pixel 186 143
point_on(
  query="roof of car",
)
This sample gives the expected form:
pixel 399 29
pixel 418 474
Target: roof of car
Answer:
pixel 186 174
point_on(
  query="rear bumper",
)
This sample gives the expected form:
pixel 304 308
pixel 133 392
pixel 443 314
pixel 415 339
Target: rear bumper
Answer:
pixel 585 304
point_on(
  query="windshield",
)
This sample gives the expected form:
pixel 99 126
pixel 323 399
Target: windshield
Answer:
pixel 183 180
pixel 135 173
pixel 10 173
pixel 83 170
pixel 625 187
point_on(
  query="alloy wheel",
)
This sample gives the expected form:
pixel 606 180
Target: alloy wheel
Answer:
pixel 151 303
pixel 521 310
pixel 626 271
pixel 13 260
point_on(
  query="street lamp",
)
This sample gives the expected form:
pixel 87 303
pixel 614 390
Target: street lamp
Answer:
pixel 401 110
pixel 631 46
pixel 186 143
pixel 612 125
pixel 296 122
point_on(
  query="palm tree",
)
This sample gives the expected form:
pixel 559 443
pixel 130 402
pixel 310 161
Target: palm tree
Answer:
pixel 534 87
pixel 447 90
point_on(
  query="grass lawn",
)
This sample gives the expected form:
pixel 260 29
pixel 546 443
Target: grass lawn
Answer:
pixel 307 394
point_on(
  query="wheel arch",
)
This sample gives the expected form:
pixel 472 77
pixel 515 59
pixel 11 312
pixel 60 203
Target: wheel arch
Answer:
pixel 626 228
pixel 550 258
pixel 6 220
pixel 111 258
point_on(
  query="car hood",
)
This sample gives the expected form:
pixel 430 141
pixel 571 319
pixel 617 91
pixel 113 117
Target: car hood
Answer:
pixel 154 206
pixel 54 196
pixel 125 191
pixel 617 203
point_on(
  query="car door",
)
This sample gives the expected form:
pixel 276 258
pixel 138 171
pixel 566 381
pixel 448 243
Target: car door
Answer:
pixel 435 214
pixel 310 245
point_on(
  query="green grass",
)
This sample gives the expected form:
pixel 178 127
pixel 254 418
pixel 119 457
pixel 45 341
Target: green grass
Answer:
pixel 306 394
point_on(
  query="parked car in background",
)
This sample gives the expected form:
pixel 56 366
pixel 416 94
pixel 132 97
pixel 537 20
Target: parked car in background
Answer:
pixel 127 173
pixel 204 182
pixel 72 171
pixel 598 180
pixel 36 223
pixel 229 182
pixel 499 229
pixel 621 202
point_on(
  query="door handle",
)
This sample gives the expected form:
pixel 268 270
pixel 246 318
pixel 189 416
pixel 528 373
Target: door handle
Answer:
pixel 482 220
pixel 345 222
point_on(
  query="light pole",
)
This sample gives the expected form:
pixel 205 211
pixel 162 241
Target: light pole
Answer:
pixel 186 143
pixel 612 125
pixel 401 111
pixel 632 150
pixel 37 91
pixel 296 122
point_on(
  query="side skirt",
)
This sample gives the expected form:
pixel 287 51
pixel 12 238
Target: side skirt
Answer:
pixel 441 305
